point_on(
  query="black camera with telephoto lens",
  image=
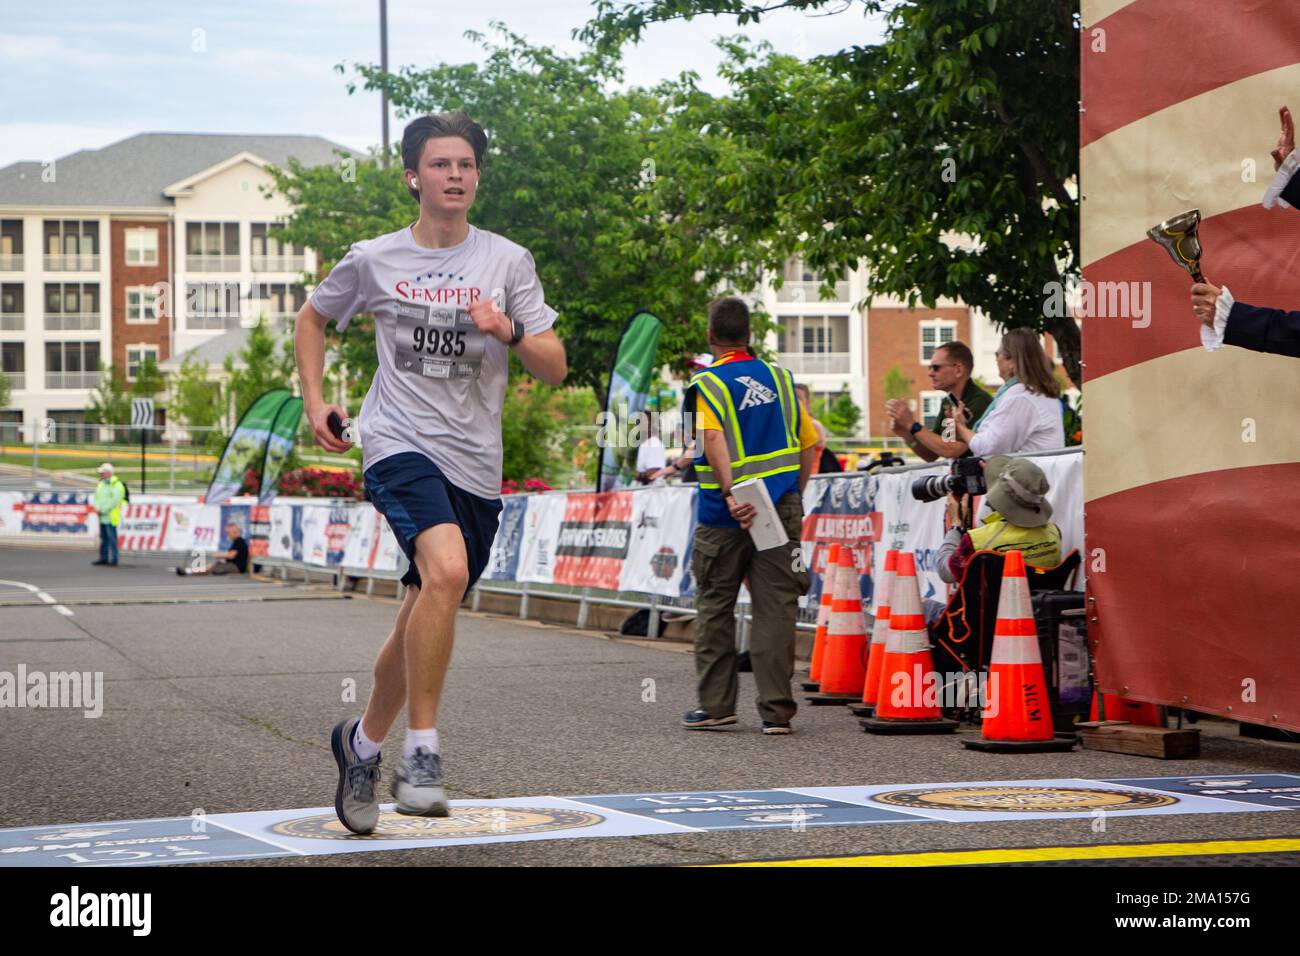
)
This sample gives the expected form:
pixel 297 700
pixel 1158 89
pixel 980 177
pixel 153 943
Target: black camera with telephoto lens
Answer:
pixel 966 478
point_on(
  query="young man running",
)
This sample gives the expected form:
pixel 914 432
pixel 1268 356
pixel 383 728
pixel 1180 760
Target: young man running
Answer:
pixel 449 302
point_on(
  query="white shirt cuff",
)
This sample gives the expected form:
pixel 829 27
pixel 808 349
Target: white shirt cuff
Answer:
pixel 1284 173
pixel 1222 306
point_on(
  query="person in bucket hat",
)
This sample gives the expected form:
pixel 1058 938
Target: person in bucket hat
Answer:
pixel 1021 519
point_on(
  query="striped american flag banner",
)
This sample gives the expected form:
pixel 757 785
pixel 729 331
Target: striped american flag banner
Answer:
pixel 1193 458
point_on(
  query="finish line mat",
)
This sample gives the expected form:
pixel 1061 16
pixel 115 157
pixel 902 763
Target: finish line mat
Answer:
pixel 317 832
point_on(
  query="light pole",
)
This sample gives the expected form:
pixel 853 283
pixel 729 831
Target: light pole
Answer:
pixel 383 66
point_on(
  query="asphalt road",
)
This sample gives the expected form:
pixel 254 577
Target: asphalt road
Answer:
pixel 221 694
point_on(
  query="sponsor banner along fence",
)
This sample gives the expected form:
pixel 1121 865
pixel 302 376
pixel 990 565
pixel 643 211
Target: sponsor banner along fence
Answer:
pixel 636 540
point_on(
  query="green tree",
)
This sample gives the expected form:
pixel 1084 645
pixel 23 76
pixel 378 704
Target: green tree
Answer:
pixel 567 174
pixel 265 362
pixel 149 380
pixel 110 403
pixel 196 400
pixel 4 389
pixel 840 415
pixel 896 384
pixel 543 430
pixel 945 158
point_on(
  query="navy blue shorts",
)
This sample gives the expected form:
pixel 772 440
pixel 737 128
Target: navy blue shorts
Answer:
pixel 413 494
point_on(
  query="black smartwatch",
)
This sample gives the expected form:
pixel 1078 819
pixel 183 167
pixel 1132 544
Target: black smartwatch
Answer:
pixel 518 332
pixel 916 427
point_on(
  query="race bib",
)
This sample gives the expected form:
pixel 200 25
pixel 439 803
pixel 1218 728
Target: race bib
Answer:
pixel 437 341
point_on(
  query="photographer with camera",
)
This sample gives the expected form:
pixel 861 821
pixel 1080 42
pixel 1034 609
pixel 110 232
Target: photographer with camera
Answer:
pixel 1020 520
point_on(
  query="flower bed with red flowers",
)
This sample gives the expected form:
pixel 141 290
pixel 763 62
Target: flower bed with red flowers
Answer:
pixel 310 483
pixel 511 487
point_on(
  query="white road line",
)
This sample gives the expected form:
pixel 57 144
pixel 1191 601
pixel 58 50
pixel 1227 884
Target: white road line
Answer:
pixel 40 594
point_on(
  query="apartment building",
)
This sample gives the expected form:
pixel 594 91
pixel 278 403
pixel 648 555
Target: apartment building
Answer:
pixel 89 241
pixel 832 343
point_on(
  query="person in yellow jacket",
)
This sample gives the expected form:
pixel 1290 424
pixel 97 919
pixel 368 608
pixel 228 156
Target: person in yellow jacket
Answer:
pixel 109 495
pixel 1020 521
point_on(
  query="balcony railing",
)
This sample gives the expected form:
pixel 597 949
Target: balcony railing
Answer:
pixel 279 263
pixel 211 263
pixel 810 292
pixel 71 321
pixel 11 262
pixel 72 263
pixel 816 363
pixel 206 321
pixel 71 379
pixel 17 380
pixel 11 322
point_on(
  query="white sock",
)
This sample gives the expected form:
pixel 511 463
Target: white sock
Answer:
pixel 420 738
pixel 363 745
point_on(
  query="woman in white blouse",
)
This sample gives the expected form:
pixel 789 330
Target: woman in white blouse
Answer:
pixel 1026 411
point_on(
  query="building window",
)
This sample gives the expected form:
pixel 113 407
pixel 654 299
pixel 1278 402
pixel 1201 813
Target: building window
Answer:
pixel 71 245
pixel 142 247
pixel 135 358
pixel 71 364
pixel 801 284
pixel 934 333
pixel 277 300
pixel 13 364
pixel 270 253
pixel 211 305
pixel 212 246
pixel 930 405
pixel 71 306
pixel 141 305
pixel 11 307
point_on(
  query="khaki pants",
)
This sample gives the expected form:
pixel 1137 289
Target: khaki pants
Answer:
pixel 723 558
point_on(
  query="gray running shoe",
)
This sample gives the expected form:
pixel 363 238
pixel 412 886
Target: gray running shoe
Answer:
pixel 417 785
pixel 354 801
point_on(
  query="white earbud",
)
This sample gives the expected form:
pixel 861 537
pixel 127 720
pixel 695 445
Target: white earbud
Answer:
pixel 413 184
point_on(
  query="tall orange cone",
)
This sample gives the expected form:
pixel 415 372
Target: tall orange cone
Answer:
pixel 823 619
pixel 1017 711
pixel 908 696
pixel 879 637
pixel 844 666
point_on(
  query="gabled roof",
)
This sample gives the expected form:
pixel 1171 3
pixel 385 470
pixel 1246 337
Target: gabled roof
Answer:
pixel 136 172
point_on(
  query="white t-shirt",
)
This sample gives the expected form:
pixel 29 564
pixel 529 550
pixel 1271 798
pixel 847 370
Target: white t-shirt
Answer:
pixel 650 456
pixel 1020 421
pixel 441 382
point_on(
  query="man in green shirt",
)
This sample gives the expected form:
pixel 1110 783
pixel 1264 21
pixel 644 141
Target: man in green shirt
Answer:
pixel 950 372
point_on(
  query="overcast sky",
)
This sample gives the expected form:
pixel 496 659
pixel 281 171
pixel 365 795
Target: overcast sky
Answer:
pixel 80 74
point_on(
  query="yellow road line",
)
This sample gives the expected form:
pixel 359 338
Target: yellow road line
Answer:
pixel 122 452
pixel 1117 851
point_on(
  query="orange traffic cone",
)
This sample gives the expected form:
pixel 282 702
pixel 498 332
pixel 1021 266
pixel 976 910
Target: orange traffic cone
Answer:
pixel 823 619
pixel 844 665
pixel 1017 711
pixel 907 671
pixel 1121 708
pixel 879 636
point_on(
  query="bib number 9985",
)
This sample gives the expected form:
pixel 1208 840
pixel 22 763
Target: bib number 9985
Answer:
pixel 433 341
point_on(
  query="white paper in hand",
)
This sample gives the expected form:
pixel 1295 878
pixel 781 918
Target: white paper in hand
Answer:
pixel 767 530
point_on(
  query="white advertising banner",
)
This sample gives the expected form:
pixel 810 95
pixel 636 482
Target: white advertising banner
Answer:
pixel 280 541
pixel 540 538
pixel 659 546
pixel 362 534
pixel 143 527
pixel 315 543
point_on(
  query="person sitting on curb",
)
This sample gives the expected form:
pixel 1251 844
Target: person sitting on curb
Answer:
pixel 234 560
pixel 1020 521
